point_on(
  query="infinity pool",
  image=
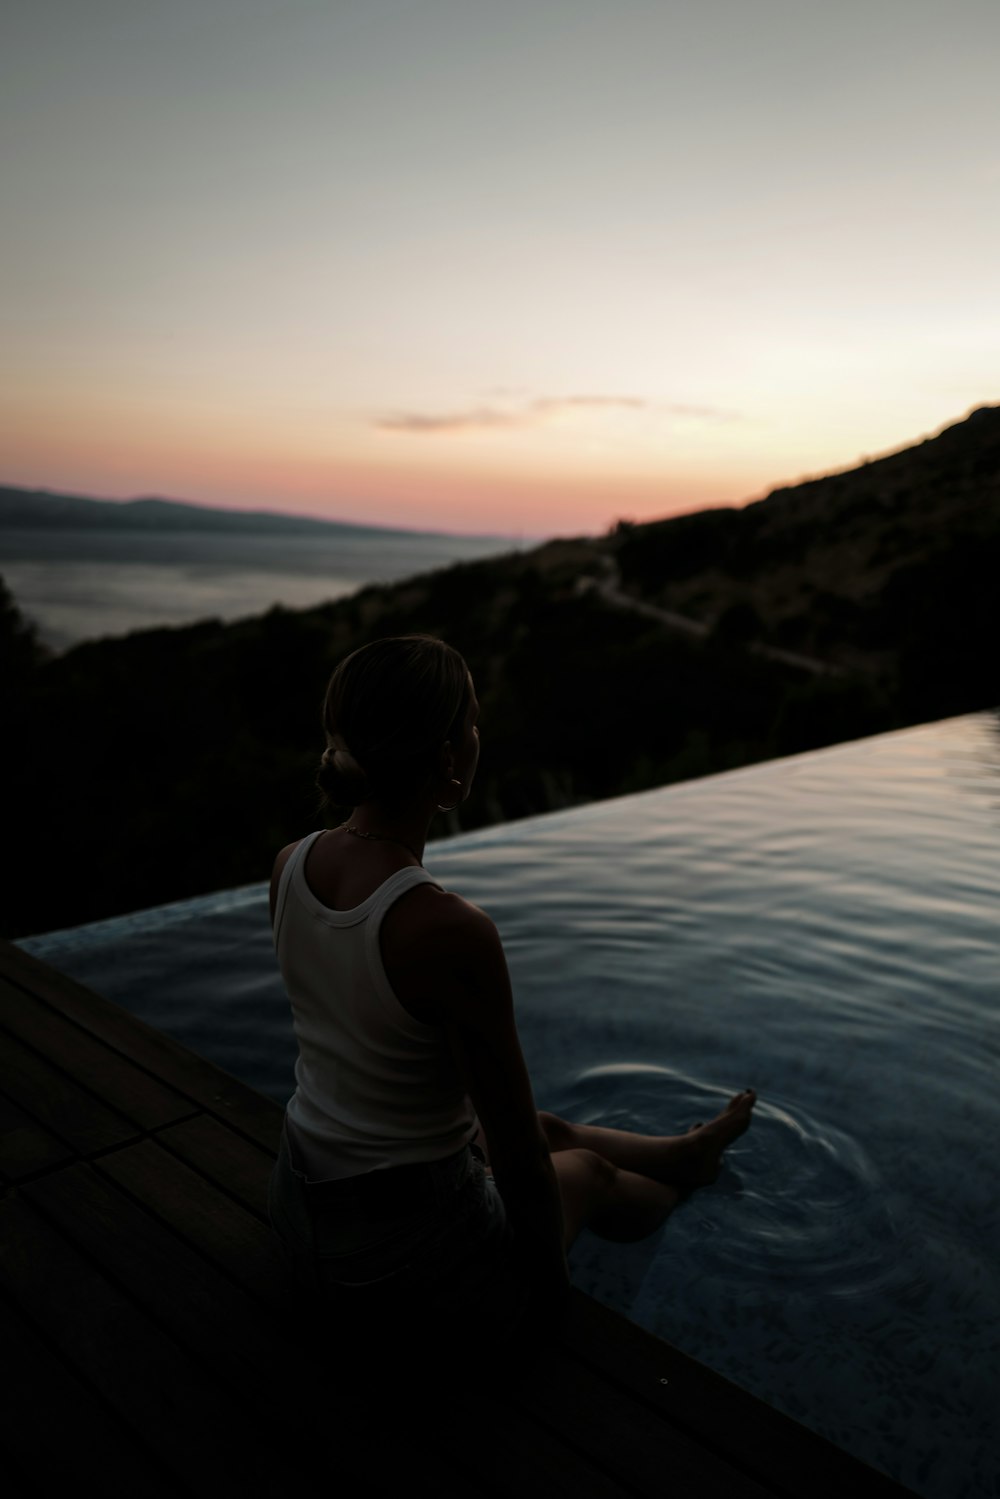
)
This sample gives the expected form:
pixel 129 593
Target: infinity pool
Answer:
pixel 823 928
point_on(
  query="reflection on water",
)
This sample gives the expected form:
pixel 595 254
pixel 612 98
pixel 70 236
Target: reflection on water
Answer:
pixel 79 585
pixel 822 928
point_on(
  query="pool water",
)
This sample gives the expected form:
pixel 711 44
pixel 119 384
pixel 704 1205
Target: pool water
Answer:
pixel 822 928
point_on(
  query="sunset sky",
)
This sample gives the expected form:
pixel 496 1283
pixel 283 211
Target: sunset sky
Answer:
pixel 524 267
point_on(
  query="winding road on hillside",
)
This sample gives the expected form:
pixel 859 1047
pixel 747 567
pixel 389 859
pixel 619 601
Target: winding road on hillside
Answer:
pixel 608 588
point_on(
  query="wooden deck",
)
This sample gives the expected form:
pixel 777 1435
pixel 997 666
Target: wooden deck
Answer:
pixel 152 1345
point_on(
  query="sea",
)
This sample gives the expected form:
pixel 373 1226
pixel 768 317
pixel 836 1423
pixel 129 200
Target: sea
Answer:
pixel 823 928
pixel 79 585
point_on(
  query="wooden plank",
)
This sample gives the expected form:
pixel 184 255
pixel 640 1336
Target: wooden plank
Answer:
pixel 246 1345
pixel 181 1069
pixel 231 1161
pixel 625 1436
pixel 58 1431
pixel 166 1398
pixel 517 1456
pixel 197 1211
pixel 120 1084
pixel 60 1106
pixel 199 1306
pixel 26 1147
pixel 492 1448
pixel 779 1452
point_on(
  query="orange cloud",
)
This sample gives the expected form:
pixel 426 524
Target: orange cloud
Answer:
pixel 533 413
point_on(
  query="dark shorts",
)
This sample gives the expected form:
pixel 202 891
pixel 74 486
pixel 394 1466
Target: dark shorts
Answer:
pixel 425 1253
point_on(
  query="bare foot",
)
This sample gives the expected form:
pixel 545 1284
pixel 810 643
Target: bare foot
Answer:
pixel 693 1160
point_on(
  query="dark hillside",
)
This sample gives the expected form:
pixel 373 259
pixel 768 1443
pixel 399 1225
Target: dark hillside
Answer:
pixel 875 569
pixel 174 762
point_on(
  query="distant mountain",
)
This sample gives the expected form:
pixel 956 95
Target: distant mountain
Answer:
pixel 36 509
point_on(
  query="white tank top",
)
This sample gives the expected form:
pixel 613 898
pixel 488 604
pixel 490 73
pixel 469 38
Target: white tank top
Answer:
pixel 374 1087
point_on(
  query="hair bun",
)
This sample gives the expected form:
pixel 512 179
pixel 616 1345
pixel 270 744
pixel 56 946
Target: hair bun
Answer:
pixel 341 779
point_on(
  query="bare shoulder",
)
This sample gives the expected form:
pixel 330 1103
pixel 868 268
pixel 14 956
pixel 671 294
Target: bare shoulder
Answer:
pixel 431 918
pixel 443 956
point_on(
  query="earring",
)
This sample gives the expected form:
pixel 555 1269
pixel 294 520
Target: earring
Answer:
pixel 455 803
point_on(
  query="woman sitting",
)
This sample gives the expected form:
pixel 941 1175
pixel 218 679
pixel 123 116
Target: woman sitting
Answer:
pixel 418 1192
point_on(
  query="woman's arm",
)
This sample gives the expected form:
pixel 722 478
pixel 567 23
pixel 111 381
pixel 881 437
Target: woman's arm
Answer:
pixel 446 955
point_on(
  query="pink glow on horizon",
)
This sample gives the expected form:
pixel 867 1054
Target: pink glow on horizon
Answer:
pixel 510 492
pixel 466 504
pixel 490 494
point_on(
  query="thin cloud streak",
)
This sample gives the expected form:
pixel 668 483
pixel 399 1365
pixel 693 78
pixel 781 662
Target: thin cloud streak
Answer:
pixel 460 421
pixel 487 418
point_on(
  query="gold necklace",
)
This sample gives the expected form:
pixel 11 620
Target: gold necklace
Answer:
pixel 349 827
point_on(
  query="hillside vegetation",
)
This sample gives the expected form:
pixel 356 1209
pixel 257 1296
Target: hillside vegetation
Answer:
pixel 172 762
